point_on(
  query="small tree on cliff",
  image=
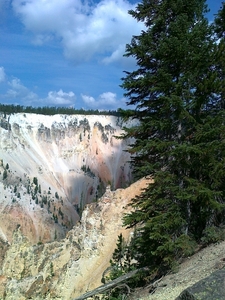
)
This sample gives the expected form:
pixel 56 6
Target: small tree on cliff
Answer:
pixel 180 133
pixel 5 175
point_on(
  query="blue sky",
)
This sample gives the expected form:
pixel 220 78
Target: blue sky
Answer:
pixel 67 52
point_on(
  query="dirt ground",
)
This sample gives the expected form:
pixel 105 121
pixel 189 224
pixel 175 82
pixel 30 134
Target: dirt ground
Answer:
pixel 193 269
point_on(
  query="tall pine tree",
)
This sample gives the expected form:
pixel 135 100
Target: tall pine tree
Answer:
pixel 180 134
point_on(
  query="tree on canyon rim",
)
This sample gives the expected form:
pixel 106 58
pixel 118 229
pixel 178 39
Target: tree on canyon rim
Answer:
pixel 177 90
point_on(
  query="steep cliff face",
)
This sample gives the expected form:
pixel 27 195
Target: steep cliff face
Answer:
pixel 70 267
pixel 51 166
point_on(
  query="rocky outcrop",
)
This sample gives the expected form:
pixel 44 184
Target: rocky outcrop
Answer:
pixel 52 166
pixel 70 267
pixel 210 288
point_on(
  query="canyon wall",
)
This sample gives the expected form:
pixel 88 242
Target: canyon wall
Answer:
pixel 52 166
pixel 74 265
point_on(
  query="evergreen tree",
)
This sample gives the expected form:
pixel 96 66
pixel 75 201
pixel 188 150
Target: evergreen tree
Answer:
pixel 219 27
pixel 35 180
pixel 118 261
pixel 121 263
pixel 5 175
pixel 220 22
pixel 179 136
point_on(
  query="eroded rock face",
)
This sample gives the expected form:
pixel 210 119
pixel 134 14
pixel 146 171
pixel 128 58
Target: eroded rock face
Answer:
pixel 70 267
pixel 52 166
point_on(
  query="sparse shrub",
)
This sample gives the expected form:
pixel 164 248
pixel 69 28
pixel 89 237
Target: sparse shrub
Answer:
pixel 185 245
pixel 61 213
pixel 28 189
pixel 213 234
pixel 83 168
pixel 35 180
pixel 55 217
pixel 104 138
pixel 36 190
pixel 87 171
pixel 5 175
pixel 44 199
pixel 51 269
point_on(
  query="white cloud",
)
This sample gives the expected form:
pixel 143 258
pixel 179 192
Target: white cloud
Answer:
pixel 106 100
pixel 41 39
pixel 89 100
pixel 19 91
pixel 60 98
pixel 85 29
pixel 115 56
pixel 2 74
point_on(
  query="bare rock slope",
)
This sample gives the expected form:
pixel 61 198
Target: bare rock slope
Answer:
pixel 70 267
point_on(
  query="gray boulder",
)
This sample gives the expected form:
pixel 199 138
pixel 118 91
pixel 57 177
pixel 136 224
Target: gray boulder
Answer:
pixel 210 288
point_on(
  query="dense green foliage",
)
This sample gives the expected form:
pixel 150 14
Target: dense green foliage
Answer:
pixel 52 110
pixel 177 90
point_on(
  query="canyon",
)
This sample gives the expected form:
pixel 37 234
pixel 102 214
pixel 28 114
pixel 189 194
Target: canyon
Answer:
pixel 65 184
pixel 52 166
pixel 67 268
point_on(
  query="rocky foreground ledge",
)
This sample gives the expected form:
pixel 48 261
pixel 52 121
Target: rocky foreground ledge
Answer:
pixel 212 287
pixel 199 277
